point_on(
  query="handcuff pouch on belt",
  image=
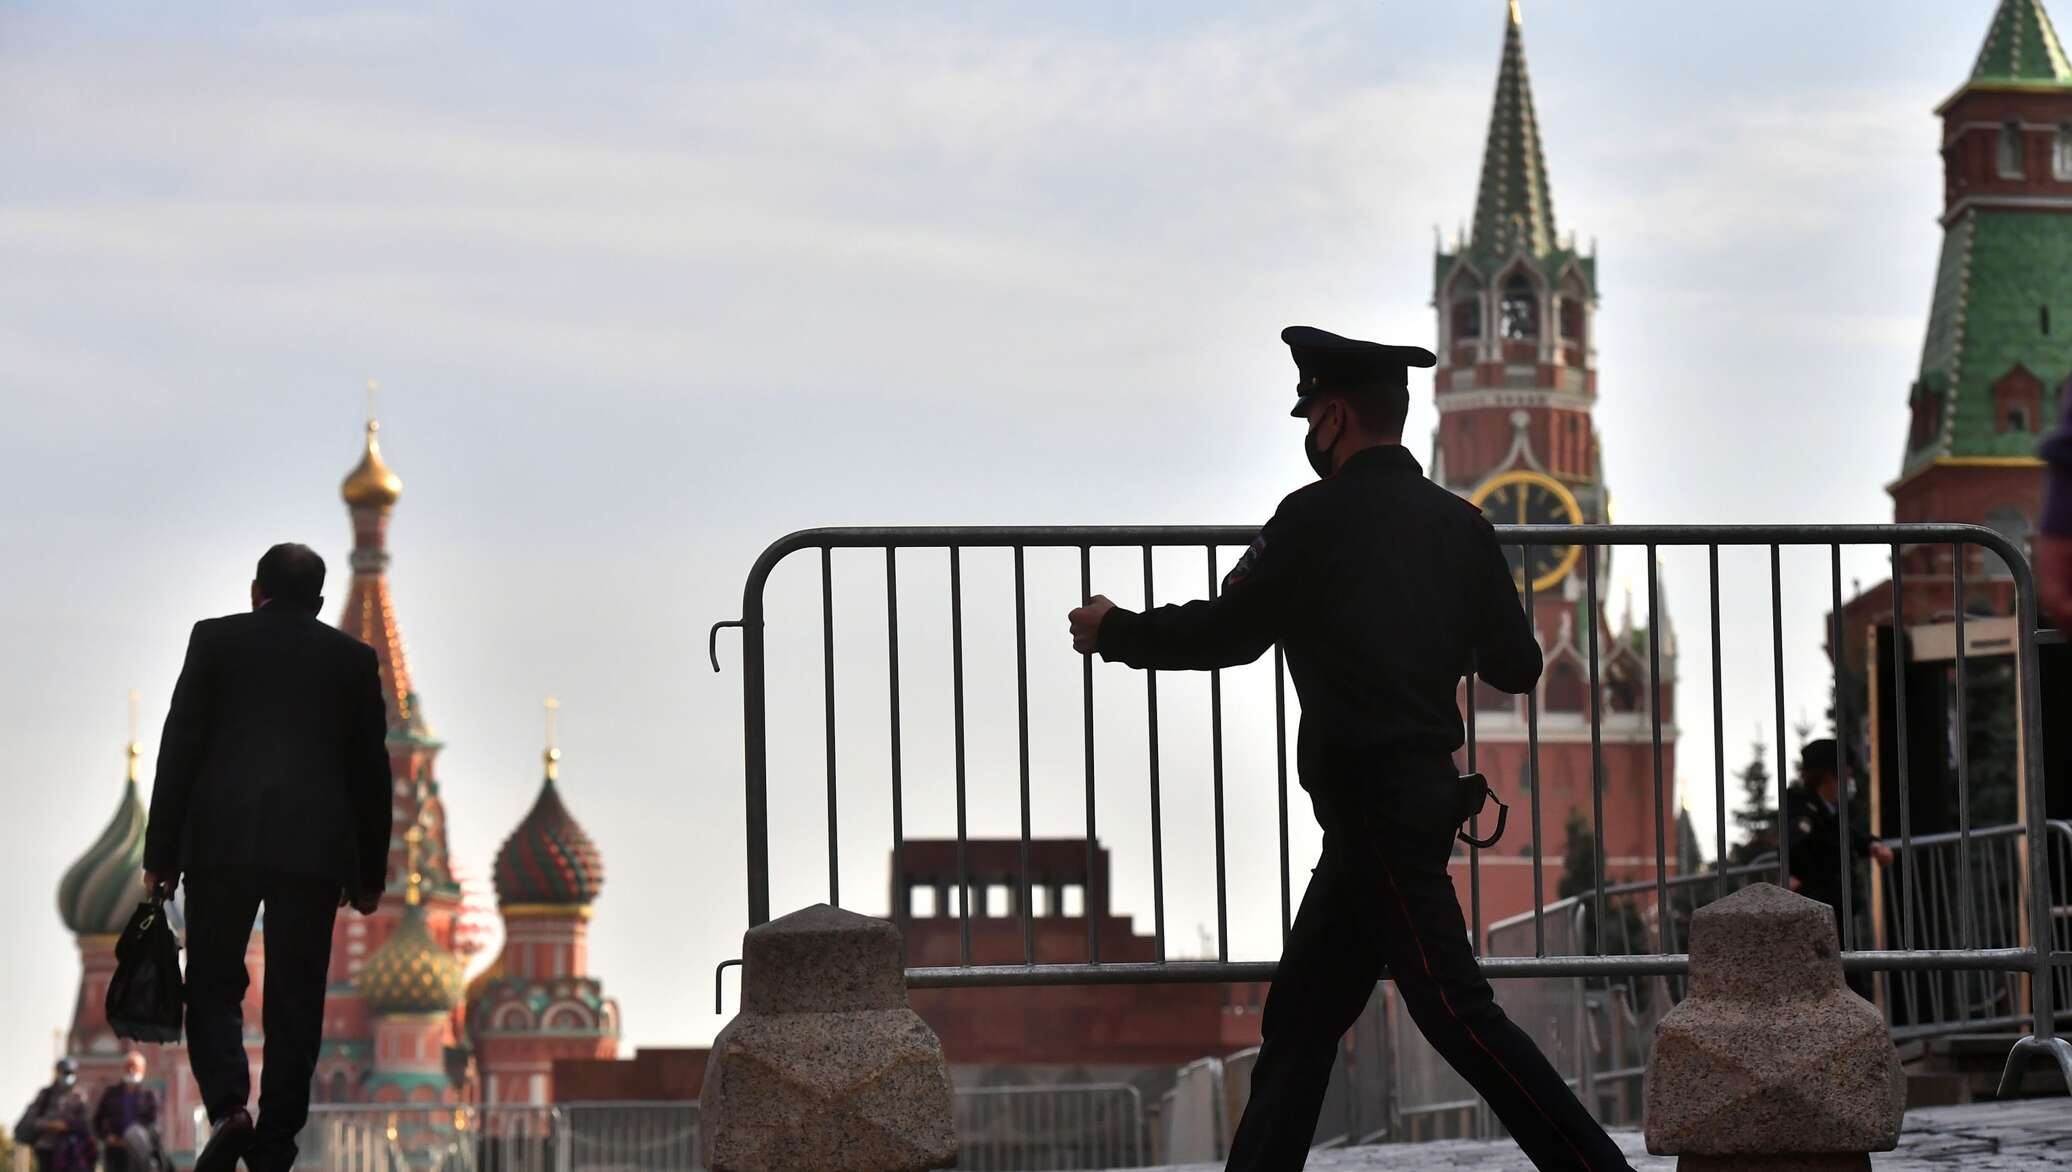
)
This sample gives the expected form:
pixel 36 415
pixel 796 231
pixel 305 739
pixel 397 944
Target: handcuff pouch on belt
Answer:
pixel 1472 791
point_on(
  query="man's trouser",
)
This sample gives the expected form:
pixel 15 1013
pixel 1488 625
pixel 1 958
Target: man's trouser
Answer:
pixel 1381 896
pixel 221 906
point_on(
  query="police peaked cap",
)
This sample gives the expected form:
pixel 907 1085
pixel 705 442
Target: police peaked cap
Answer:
pixel 1324 361
pixel 1819 757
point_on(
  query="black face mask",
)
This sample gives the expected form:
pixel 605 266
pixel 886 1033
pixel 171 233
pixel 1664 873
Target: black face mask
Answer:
pixel 1319 459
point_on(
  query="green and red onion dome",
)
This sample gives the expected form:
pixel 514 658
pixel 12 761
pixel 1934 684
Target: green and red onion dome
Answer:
pixel 549 861
pixel 102 888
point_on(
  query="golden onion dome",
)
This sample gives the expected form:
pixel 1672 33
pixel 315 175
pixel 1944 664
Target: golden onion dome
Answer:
pixel 371 483
pixel 411 972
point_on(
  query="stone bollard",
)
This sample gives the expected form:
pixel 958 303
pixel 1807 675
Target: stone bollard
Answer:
pixel 1771 1063
pixel 825 1069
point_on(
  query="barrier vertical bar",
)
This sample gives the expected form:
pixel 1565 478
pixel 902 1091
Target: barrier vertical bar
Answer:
pixel 1280 760
pixel 2042 982
pixel 1216 784
pixel 1021 684
pixel 902 909
pixel 1596 754
pixel 1777 687
pixel 1840 656
pixel 1092 896
pixel 1719 735
pixel 1968 929
pixel 1157 825
pixel 1899 716
pixel 755 753
pixel 957 709
pixel 827 664
pixel 1532 766
pixel 1655 713
pixel 1474 826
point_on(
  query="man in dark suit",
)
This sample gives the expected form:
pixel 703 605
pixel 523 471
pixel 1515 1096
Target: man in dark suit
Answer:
pixel 273 788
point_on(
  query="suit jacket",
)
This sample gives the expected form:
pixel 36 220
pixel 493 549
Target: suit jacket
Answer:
pixel 274 754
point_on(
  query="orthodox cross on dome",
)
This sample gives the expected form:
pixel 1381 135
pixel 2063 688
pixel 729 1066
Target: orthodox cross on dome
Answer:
pixel 136 749
pixel 553 753
pixel 413 845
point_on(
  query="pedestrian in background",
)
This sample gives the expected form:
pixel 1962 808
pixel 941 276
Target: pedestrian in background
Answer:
pixel 55 1125
pixel 126 1121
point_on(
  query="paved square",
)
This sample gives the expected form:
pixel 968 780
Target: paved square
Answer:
pixel 1981 1137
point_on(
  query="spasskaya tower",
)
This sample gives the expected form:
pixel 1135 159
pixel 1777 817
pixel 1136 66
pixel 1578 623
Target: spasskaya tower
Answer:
pixel 1516 388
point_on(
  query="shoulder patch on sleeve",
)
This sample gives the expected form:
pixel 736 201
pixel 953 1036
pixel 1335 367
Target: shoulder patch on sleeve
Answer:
pixel 1243 569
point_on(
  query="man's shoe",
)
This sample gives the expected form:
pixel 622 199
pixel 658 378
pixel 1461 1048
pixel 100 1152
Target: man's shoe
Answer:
pixel 227 1144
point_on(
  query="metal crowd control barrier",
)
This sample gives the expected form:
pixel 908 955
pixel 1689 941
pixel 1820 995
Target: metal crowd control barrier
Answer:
pixel 2032 956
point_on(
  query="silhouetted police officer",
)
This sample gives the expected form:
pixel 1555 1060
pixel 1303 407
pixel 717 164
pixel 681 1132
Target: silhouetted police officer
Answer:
pixel 1814 807
pixel 1382 589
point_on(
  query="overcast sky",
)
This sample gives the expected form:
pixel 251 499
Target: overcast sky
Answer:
pixel 651 284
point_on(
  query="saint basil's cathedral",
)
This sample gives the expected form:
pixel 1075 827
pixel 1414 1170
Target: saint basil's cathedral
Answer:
pixel 417 1011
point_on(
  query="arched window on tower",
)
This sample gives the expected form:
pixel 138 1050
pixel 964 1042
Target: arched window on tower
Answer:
pixel 1521 310
pixel 1571 317
pixel 2007 151
pixel 2061 154
pixel 1467 319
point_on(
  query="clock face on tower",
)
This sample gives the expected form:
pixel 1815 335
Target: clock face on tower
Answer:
pixel 1530 498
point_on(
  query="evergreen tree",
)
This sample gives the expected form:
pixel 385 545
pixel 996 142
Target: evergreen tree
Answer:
pixel 1757 815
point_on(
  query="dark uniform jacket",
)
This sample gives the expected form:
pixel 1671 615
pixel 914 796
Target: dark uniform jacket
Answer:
pixel 1816 830
pixel 274 754
pixel 1382 589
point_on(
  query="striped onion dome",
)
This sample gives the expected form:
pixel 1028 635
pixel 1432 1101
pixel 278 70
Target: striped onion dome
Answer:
pixel 548 860
pixel 411 972
pixel 100 891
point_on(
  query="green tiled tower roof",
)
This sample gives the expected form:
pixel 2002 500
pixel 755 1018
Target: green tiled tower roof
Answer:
pixel 2002 275
pixel 1514 208
pixel 2022 47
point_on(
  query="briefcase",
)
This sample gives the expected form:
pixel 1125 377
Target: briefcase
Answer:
pixel 144 998
pixel 1472 791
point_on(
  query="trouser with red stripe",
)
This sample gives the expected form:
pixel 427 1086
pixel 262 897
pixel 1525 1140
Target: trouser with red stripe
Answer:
pixel 1381 896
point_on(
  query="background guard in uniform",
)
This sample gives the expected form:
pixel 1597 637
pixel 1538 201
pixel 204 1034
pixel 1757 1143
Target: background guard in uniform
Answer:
pixel 1382 588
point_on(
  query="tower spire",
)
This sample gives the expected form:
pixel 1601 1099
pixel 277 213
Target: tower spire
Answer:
pixel 2022 47
pixel 1513 206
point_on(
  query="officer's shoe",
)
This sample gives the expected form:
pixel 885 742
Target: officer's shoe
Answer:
pixel 231 1138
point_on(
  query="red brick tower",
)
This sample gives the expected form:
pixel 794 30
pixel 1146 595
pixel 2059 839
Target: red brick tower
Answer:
pixel 1998 353
pixel 348 1059
pixel 1515 388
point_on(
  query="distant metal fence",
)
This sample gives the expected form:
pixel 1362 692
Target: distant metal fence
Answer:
pixel 626 1137
pixel 999 1129
pixel 2028 955
pixel 1040 1128
pixel 431 1138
